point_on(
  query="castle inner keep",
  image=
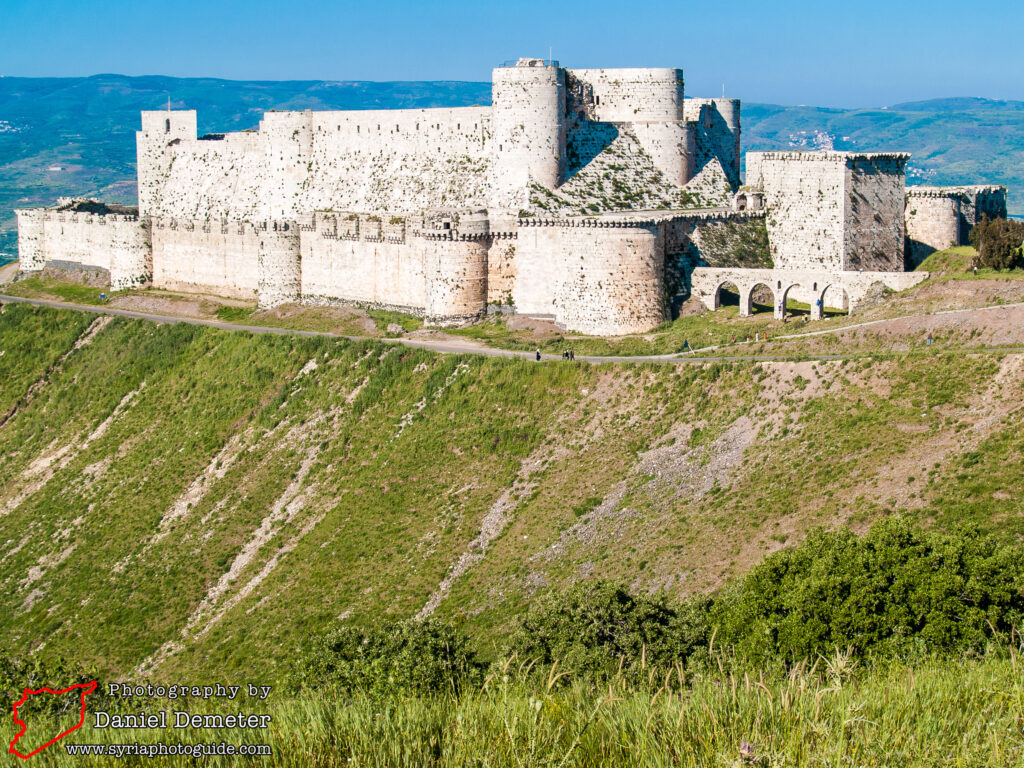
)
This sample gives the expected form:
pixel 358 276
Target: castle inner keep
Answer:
pixel 598 198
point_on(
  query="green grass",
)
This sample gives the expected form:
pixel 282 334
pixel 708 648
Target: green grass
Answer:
pixel 933 714
pixel 382 462
pixel 703 330
pixel 383 318
pixel 76 293
pixel 235 314
pixel 955 264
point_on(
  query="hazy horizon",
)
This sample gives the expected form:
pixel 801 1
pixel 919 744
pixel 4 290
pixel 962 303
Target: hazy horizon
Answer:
pixel 875 54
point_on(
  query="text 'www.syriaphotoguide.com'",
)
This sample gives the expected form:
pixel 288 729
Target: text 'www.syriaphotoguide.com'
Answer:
pixel 160 749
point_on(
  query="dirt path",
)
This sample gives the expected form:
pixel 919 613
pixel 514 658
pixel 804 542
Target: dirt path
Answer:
pixel 453 345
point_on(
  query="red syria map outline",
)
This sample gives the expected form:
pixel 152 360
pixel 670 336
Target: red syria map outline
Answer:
pixel 86 689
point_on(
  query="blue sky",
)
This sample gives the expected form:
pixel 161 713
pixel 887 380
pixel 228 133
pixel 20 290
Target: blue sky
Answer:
pixel 864 53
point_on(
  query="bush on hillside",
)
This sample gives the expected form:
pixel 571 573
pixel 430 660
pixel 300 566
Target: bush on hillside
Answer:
pixel 1000 243
pixel 896 591
pixel 593 628
pixel 411 656
pixel 18 673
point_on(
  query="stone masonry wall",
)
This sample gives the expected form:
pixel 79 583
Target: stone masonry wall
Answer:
pixel 347 257
pixel 31 248
pixel 298 162
pixel 934 222
pixel 220 257
pixel 501 270
pixel 805 196
pixel 529 127
pixel 592 276
pixel 634 95
pixel 279 268
pixel 832 210
pixel 716 129
pixel 874 229
pixel 391 262
pixel 113 242
pixel 938 218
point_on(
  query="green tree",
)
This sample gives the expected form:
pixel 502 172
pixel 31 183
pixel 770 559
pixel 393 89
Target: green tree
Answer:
pixel 1000 243
pixel 594 628
pixel 898 590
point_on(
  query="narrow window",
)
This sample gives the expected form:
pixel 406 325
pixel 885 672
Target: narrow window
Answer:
pixel 167 125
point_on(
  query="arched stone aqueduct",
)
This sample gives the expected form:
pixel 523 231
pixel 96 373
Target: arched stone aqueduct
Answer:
pixel 808 286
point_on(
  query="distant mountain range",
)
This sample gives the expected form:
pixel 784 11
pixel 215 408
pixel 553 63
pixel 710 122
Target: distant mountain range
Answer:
pixel 75 136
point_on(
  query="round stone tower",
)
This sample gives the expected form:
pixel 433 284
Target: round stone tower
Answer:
pixel 456 274
pixel 729 109
pixel 528 121
pixel 279 269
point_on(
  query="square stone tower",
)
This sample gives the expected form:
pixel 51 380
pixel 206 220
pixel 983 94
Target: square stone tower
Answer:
pixel 833 210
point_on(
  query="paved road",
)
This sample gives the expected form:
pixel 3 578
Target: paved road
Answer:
pixel 458 346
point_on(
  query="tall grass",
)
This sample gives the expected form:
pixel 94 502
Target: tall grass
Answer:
pixel 967 713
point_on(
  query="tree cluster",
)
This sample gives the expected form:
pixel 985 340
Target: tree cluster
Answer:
pixel 897 592
pixel 999 242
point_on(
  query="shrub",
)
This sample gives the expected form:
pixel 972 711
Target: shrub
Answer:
pixel 896 591
pixel 1000 243
pixel 19 673
pixel 412 656
pixel 593 628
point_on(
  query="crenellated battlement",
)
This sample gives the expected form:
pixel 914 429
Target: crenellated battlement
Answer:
pixel 956 191
pixel 578 194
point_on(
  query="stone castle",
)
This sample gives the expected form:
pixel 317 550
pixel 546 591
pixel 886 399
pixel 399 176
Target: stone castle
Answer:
pixel 598 198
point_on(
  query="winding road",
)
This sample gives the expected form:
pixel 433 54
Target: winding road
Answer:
pixel 451 346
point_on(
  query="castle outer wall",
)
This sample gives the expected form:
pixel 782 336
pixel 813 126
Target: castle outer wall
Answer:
pixel 833 210
pixel 587 196
pixel 942 217
pixel 119 244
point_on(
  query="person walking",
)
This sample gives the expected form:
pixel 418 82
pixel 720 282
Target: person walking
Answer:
pixel 572 354
pixel 538 355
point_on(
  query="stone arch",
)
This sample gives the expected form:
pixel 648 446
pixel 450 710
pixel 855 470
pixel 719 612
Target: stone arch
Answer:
pixel 747 296
pixel 729 287
pixel 780 300
pixel 834 296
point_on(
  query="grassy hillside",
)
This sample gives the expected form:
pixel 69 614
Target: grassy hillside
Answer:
pixel 75 136
pixel 178 498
